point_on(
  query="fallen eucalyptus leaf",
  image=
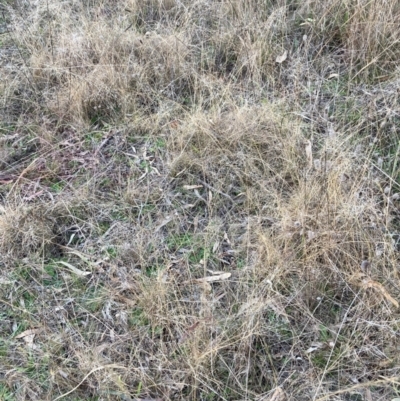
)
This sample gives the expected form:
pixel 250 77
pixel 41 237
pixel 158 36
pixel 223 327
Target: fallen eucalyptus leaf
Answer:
pixel 282 58
pixel 314 347
pixel 29 332
pixel 210 279
pixel 278 395
pixel 74 269
pixel 187 187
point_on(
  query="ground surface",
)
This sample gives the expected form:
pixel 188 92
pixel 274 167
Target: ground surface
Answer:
pixel 199 200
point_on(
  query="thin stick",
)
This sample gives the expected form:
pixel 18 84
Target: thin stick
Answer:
pixel 216 190
pixel 91 372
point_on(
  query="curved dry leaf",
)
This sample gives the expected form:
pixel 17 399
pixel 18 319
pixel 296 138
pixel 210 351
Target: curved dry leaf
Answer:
pixel 209 279
pixel 80 255
pixel 210 196
pixel 215 272
pixel 282 58
pixel 368 283
pixel 74 269
pixel 29 332
pixel 29 341
pixel 215 247
pixel 188 187
pixel 63 374
pixel 314 347
pixel 278 395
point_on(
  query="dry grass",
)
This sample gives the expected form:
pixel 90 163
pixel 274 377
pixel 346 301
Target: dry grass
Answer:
pixel 186 214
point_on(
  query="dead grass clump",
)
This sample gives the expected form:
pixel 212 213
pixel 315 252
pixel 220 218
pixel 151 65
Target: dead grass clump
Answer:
pixel 166 67
pixel 323 207
pixel 239 149
pixel 364 31
pixel 80 70
pixel 91 72
pixel 199 200
pixel 150 13
pixel 25 230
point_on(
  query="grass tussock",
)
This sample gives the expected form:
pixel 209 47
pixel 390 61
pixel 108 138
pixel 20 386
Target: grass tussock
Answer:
pixel 199 200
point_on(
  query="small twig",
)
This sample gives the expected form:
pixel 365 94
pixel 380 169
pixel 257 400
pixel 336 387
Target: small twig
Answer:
pixel 216 190
pixel 26 170
pixel 103 143
pixel 91 372
pixel 129 27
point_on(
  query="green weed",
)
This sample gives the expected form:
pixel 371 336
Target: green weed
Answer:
pixel 137 318
pixel 6 394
